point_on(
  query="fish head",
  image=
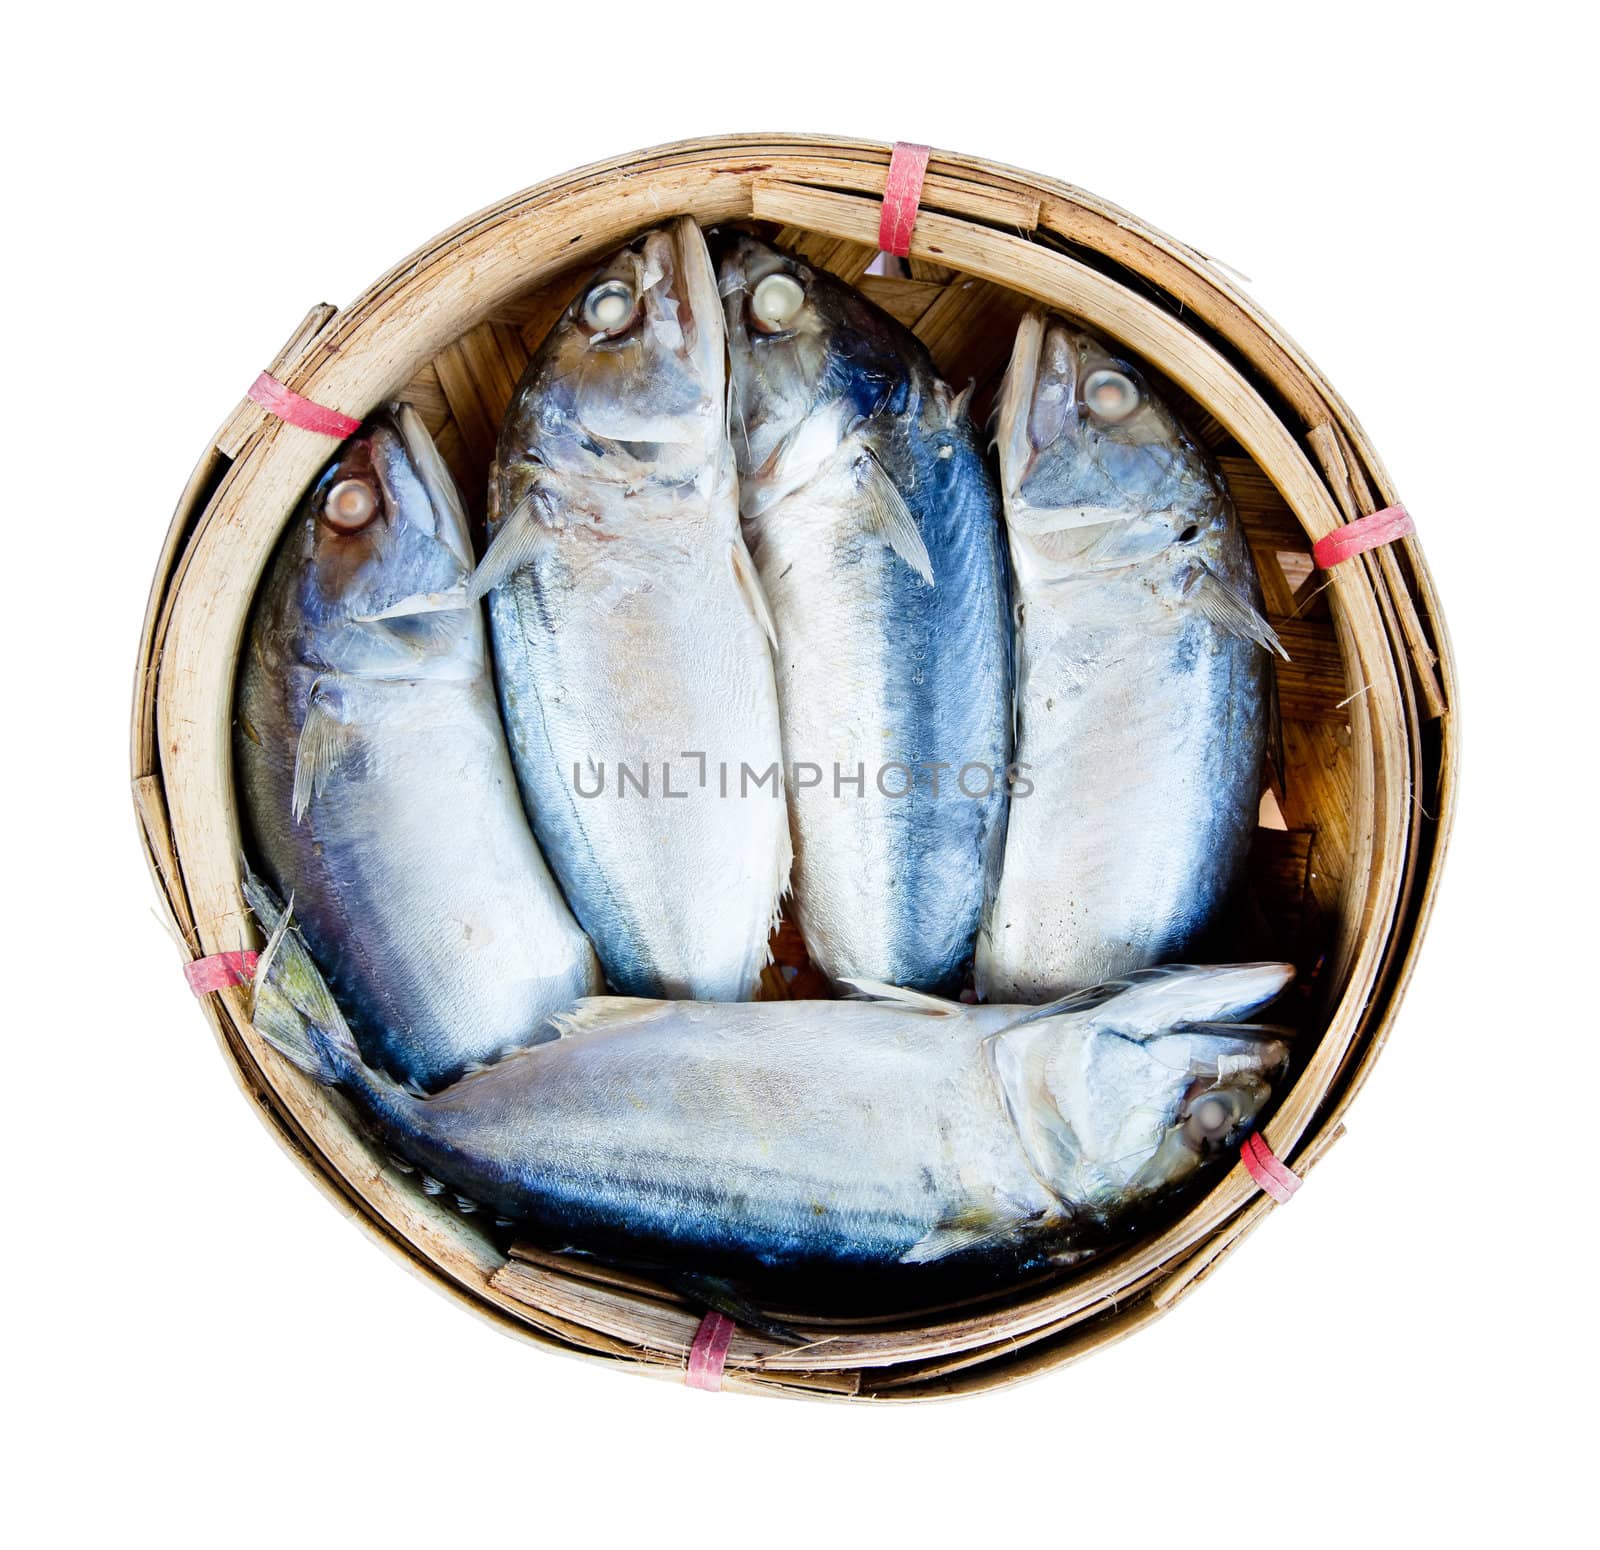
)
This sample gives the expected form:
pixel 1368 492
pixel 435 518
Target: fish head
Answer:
pixel 628 387
pixel 378 559
pixel 1096 470
pixel 809 358
pixel 1127 1090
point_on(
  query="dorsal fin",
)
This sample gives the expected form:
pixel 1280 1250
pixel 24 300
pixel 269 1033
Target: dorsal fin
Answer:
pixel 593 1012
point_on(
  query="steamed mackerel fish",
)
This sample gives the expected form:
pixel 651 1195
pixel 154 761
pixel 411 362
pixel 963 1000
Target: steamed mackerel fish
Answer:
pixel 807 1135
pixel 1142 675
pixel 630 640
pixel 375 776
pixel 875 526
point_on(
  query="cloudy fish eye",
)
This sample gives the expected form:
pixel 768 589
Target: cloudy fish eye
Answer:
pixel 609 306
pixel 1110 395
pixel 776 302
pixel 350 505
pixel 1210 1119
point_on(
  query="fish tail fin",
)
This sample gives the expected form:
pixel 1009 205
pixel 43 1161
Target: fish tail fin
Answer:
pixel 301 1043
pixel 294 1010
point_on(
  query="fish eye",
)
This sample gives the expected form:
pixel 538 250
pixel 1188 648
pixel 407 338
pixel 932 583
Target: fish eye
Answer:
pixel 1210 1120
pixel 1111 395
pixel 350 506
pixel 776 303
pixel 609 307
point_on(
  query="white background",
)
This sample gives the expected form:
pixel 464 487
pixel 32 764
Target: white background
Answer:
pixel 200 1351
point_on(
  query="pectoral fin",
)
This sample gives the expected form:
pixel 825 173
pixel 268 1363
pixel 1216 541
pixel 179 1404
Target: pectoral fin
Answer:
pixel 970 1230
pixel 517 545
pixel 324 741
pixel 1229 612
pixel 749 585
pixel 1148 1002
pixel 887 516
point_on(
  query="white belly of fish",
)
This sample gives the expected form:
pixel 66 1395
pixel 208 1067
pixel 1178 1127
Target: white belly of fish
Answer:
pixel 1117 736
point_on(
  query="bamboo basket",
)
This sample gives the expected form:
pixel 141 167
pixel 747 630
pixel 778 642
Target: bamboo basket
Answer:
pixel 1345 864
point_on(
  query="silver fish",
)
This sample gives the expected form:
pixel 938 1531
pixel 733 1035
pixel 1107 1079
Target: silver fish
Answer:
pixel 875 526
pixel 1142 675
pixel 630 636
pixel 802 1135
pixel 375 775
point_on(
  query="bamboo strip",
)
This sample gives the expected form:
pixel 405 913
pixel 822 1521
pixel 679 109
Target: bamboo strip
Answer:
pixel 249 416
pixel 1311 684
pixel 904 300
pixel 847 260
pixel 969 330
pixel 1356 500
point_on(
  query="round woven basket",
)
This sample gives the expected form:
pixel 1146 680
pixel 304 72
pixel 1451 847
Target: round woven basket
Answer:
pixel 1345 863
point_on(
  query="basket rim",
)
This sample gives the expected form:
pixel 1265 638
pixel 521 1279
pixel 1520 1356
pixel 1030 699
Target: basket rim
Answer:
pixel 254 461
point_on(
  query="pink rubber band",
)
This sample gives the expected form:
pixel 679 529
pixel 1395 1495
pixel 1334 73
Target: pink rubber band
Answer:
pixel 291 408
pixel 219 971
pixel 902 193
pixel 709 1352
pixel 1276 1179
pixel 1369 532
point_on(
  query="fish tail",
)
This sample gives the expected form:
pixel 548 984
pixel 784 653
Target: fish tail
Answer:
pixel 294 1011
